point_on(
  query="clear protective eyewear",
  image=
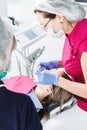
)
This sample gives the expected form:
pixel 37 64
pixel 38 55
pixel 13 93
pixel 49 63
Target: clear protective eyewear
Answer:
pixel 45 26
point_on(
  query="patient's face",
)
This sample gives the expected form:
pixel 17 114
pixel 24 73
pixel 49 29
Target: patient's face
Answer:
pixel 43 91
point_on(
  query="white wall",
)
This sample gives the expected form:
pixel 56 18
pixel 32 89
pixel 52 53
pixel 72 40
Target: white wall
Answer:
pixel 22 10
pixel 3 8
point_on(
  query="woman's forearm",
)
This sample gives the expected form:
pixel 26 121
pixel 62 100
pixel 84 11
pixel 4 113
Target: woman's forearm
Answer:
pixel 78 89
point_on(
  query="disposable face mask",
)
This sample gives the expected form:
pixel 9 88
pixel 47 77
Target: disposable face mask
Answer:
pixel 4 73
pixel 58 34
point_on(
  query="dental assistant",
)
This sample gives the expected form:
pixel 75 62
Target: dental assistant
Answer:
pixel 17 111
pixel 67 17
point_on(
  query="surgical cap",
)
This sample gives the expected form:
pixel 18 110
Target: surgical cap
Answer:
pixel 71 9
pixel 6 38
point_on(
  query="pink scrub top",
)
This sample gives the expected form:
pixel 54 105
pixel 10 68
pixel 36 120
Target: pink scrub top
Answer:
pixel 20 84
pixel 75 45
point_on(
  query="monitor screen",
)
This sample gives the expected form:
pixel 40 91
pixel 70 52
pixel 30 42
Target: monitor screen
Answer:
pixel 30 34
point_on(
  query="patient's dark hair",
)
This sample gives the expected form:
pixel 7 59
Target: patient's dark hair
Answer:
pixel 60 95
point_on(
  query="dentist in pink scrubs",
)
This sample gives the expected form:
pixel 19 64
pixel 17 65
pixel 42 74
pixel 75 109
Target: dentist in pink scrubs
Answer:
pixel 66 17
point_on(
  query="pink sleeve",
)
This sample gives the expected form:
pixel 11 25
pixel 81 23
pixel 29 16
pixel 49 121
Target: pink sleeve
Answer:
pixel 21 84
pixel 83 46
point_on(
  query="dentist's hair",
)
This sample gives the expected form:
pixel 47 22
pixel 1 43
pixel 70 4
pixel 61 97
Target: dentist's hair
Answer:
pixel 71 9
pixel 7 44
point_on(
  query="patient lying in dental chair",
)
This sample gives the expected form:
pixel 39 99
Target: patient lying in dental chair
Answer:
pixel 45 97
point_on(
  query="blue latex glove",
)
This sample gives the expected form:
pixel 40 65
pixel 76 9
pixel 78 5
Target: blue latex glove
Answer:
pixel 48 65
pixel 47 78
